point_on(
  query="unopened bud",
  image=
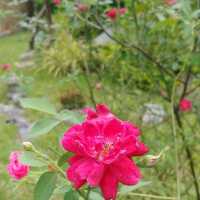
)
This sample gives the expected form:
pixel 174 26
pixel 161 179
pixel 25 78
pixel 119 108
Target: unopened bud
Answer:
pixel 149 161
pixel 28 146
pixel 98 86
pixel 152 160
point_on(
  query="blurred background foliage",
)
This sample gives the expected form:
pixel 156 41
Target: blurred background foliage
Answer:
pixel 83 58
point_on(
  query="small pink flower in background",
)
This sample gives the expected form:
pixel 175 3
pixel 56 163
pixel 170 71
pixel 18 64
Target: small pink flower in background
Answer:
pixel 6 67
pixel 82 7
pixel 185 105
pixel 98 86
pixel 57 2
pixel 103 146
pixel 123 11
pixel 114 12
pixel 170 2
pixel 16 169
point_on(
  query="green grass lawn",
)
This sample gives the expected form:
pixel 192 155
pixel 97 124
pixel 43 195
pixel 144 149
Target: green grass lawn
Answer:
pixel 11 47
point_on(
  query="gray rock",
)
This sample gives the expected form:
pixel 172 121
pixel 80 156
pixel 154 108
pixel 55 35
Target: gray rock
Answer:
pixel 23 126
pixel 10 110
pixel 15 116
pixel 27 56
pixel 26 60
pixel 15 96
pixel 25 64
pixel 13 81
pixel 154 114
pixel 103 38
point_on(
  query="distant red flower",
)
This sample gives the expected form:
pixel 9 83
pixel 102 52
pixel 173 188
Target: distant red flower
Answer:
pixel 16 169
pixel 6 67
pixel 57 2
pixel 103 146
pixel 170 2
pixel 82 7
pixel 122 11
pixel 185 105
pixel 114 12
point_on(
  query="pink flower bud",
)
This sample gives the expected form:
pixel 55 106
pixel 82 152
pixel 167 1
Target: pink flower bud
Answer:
pixel 123 11
pixel 16 169
pixel 185 105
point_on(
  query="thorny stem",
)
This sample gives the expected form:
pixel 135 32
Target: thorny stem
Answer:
pixel 175 138
pixel 88 193
pixel 92 98
pixel 50 161
pixel 176 116
pixel 87 74
pixel 188 153
pixel 179 122
pixel 48 13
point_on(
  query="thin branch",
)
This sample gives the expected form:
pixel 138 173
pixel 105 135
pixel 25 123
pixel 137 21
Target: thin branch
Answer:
pixel 192 90
pixel 133 46
pixel 173 114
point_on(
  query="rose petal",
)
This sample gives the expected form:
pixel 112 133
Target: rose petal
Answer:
pixel 126 171
pixel 112 129
pixel 71 142
pixel 102 109
pixel 96 175
pixel 109 185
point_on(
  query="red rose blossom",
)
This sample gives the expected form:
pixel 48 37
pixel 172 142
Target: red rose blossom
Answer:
pixel 185 105
pixel 114 12
pixel 103 146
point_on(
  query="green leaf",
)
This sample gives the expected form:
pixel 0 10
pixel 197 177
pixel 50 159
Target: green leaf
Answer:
pixel 39 104
pixel 70 116
pixel 95 195
pixel 126 189
pixel 29 158
pixel 45 186
pixel 195 60
pixel 43 126
pixel 71 195
pixel 64 157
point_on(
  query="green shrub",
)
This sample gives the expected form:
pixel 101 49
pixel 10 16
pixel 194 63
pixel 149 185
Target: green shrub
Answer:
pixel 64 56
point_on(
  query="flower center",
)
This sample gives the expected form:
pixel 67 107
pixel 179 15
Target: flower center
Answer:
pixel 105 151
